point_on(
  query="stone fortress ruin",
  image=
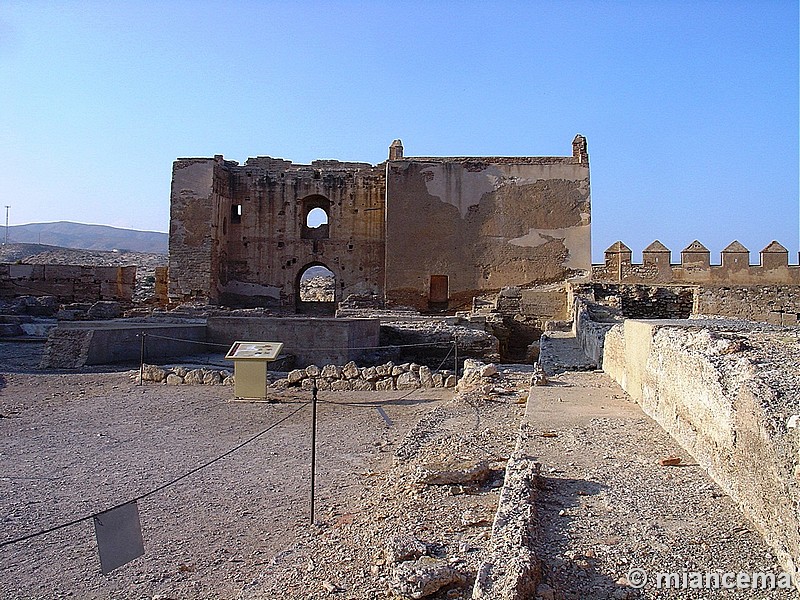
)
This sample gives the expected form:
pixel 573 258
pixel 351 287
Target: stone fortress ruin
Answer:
pixel 427 233
pixel 503 243
pixel 490 256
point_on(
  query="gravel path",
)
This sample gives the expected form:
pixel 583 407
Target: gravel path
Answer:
pixel 607 506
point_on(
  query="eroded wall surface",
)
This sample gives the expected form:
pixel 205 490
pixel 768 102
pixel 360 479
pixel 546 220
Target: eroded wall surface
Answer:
pixel 239 234
pixel 727 396
pixel 484 224
pixel 68 283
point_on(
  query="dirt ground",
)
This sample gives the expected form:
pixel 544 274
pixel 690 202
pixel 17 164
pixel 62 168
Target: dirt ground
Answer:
pixel 74 444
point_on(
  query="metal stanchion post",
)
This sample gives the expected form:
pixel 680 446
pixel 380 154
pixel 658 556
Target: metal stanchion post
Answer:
pixel 313 444
pixel 141 360
pixel 455 354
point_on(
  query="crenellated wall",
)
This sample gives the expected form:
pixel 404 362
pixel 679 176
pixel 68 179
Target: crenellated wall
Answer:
pixel 695 266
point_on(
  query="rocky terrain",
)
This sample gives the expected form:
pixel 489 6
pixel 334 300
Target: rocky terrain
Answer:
pixel 319 288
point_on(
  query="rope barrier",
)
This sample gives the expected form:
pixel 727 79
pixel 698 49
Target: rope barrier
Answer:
pixel 427 344
pixel 157 489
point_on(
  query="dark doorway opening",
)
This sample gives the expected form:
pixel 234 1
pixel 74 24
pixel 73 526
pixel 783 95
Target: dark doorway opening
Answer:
pixel 439 295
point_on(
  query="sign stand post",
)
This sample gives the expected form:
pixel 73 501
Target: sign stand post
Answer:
pixel 250 366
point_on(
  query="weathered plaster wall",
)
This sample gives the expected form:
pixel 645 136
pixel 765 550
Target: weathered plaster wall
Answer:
pixel 193 204
pixel 485 223
pixel 727 399
pixel 68 283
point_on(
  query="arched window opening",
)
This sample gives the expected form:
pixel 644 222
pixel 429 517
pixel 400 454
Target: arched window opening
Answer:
pixel 317 284
pixel 316 213
pixel 316 217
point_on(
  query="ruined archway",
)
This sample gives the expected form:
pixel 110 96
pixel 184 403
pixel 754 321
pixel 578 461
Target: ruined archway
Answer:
pixel 315 290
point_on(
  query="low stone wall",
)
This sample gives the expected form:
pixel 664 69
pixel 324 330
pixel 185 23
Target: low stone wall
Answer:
pixel 728 397
pixel 311 341
pixel 78 344
pixel 68 283
pixel 777 304
pixel 351 377
pixel 589 333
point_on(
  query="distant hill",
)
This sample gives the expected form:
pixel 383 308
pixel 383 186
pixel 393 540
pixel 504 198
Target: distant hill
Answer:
pixel 88 237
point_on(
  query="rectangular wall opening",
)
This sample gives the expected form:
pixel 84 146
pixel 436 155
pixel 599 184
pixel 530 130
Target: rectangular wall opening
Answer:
pixel 439 292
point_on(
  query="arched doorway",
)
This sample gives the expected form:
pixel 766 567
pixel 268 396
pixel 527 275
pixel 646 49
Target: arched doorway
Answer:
pixel 315 290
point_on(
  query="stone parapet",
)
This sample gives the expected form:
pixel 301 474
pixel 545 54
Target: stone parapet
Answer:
pixel 695 266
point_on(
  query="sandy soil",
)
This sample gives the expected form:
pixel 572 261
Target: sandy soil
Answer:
pixel 75 444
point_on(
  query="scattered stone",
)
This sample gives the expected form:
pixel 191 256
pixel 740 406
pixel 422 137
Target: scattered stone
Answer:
pixel 312 371
pixel 384 384
pixel 212 377
pixel 454 474
pixel 174 379
pixel 194 377
pixel 351 370
pixel 670 461
pixel 425 377
pixel 424 577
pixel 341 385
pixel 331 372
pixel 153 373
pixel 362 385
pixel 404 547
pixel 489 370
pixel 407 381
pixel 296 376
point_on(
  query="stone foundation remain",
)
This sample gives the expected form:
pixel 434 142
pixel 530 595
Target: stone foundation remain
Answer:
pixel 728 392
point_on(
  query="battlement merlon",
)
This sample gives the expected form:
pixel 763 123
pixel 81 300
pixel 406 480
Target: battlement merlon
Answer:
pixel 695 265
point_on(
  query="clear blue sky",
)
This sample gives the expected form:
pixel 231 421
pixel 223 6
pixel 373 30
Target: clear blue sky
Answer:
pixel 690 108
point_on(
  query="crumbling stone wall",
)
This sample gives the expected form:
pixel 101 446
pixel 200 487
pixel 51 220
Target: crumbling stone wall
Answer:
pixel 423 232
pixel 647 301
pixel 777 304
pixel 239 233
pixel 68 283
pixel 730 398
pixel 484 223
